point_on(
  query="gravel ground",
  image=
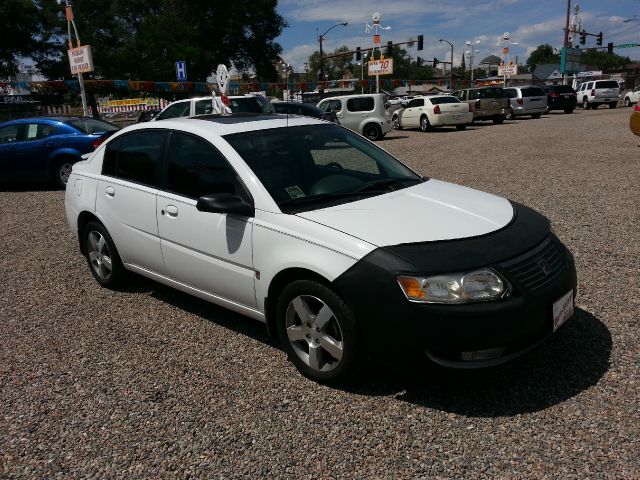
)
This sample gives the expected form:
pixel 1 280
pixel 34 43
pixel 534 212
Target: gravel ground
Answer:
pixel 151 383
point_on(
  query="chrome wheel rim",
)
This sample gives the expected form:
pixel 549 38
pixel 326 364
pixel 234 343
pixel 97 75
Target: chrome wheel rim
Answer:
pixel 396 123
pixel 64 171
pixel 99 255
pixel 314 333
pixel 424 125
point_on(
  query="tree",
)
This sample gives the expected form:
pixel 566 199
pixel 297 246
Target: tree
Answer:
pixel 19 19
pixel 335 67
pixel 142 39
pixel 603 60
pixel 543 54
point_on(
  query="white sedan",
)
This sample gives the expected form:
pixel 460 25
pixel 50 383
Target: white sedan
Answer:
pixel 345 253
pixel 632 97
pixel 433 111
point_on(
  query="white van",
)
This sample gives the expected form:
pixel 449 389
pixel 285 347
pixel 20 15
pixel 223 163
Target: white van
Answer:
pixel 365 114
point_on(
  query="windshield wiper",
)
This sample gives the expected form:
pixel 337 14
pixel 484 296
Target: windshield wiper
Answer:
pixel 382 184
pixel 320 197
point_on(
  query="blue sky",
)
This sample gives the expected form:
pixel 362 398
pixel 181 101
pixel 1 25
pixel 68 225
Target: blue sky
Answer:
pixel 530 23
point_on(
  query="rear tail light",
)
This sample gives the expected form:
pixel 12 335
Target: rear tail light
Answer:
pixel 97 142
pixel 593 92
pixel 636 108
pixel 436 109
pixel 519 101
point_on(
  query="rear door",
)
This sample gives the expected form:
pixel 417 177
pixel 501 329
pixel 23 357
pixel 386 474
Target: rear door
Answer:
pixel 534 98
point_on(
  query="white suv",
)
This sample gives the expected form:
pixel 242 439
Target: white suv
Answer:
pixel 366 114
pixel 345 253
pixel 598 92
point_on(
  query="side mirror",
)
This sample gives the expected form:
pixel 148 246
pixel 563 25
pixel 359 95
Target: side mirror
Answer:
pixel 225 203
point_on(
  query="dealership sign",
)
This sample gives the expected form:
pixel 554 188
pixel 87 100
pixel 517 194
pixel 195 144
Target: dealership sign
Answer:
pixel 80 60
pixel 381 67
pixel 506 70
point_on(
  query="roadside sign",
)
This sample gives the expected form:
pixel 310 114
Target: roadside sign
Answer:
pixel 570 60
pixel 627 45
pixel 381 67
pixel 593 73
pixel 80 59
pixel 181 71
pixel 507 70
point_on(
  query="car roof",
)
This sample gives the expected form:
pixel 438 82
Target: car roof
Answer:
pixel 45 119
pixel 340 97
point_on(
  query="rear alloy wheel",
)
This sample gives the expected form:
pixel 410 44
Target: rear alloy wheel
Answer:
pixel 62 172
pixel 102 256
pixel 425 126
pixel 627 102
pixel 372 131
pixel 318 332
pixel 511 115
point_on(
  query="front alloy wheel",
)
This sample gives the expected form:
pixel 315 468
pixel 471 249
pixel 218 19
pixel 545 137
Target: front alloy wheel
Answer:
pixel 318 332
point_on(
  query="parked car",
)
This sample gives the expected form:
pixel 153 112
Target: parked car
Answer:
pixel 298 108
pixel 433 111
pixel 632 96
pixel 45 148
pixel 526 100
pixel 488 103
pixel 344 252
pixel 561 97
pixel 203 106
pixel 393 101
pixel 366 114
pixel 634 121
pixel 599 92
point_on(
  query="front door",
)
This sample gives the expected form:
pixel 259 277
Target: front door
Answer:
pixel 411 115
pixel 210 252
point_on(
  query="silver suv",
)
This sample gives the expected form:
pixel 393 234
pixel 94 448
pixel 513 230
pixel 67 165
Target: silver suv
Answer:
pixel 365 114
pixel 599 92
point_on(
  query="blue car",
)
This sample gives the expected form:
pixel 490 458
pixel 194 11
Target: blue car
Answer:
pixel 45 148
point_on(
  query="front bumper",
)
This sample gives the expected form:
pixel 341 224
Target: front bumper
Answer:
pixel 468 335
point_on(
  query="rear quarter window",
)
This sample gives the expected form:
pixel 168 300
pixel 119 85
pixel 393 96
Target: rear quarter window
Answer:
pixel 533 92
pixel 607 84
pixel 362 104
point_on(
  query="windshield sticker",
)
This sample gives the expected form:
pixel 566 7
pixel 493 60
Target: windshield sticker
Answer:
pixel 295 192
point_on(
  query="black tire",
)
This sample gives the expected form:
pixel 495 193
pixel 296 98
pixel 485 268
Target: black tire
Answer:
pixel 627 102
pixel 299 335
pixel 372 131
pixel 568 110
pixel 461 127
pixel 62 170
pixel 511 115
pixel 395 121
pixel 613 105
pixel 425 126
pixel 594 106
pixel 536 115
pixel 103 258
pixel 498 119
pixel 585 104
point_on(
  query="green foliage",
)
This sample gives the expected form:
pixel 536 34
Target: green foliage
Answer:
pixel 19 19
pixel 542 55
pixel 603 60
pixel 142 39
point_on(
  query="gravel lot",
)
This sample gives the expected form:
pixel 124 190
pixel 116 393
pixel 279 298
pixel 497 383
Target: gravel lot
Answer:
pixel 151 383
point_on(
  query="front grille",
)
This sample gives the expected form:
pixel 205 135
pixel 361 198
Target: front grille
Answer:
pixel 537 267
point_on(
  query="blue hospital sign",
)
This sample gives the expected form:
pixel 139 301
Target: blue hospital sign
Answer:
pixel 181 71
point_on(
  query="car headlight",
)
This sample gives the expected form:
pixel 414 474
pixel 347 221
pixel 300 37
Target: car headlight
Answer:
pixel 476 286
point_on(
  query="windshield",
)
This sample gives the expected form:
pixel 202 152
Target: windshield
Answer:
pixel 91 125
pixel 315 166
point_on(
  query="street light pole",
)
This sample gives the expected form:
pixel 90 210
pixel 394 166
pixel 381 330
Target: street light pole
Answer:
pixel 70 22
pixel 321 39
pixel 471 53
pixel 450 65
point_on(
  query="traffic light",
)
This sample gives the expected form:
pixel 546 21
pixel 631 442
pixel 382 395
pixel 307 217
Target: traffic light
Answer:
pixel 583 37
pixel 389 51
pixel 358 54
pixel 420 42
pixel 610 48
pixel 435 62
pixel 419 62
pixel 599 39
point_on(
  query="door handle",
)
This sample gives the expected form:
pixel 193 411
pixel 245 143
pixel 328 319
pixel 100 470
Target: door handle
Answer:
pixel 171 210
pixel 110 192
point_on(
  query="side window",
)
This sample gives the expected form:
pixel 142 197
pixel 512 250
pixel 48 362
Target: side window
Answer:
pixel 195 169
pixel 180 109
pixel 331 106
pixel 135 157
pixel 416 102
pixel 203 107
pixel 9 133
pixel 473 94
pixel 462 95
pixel 513 93
pixel 362 104
pixel 36 131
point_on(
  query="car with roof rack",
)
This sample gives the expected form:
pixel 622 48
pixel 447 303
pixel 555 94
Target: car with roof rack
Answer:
pixel 345 253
